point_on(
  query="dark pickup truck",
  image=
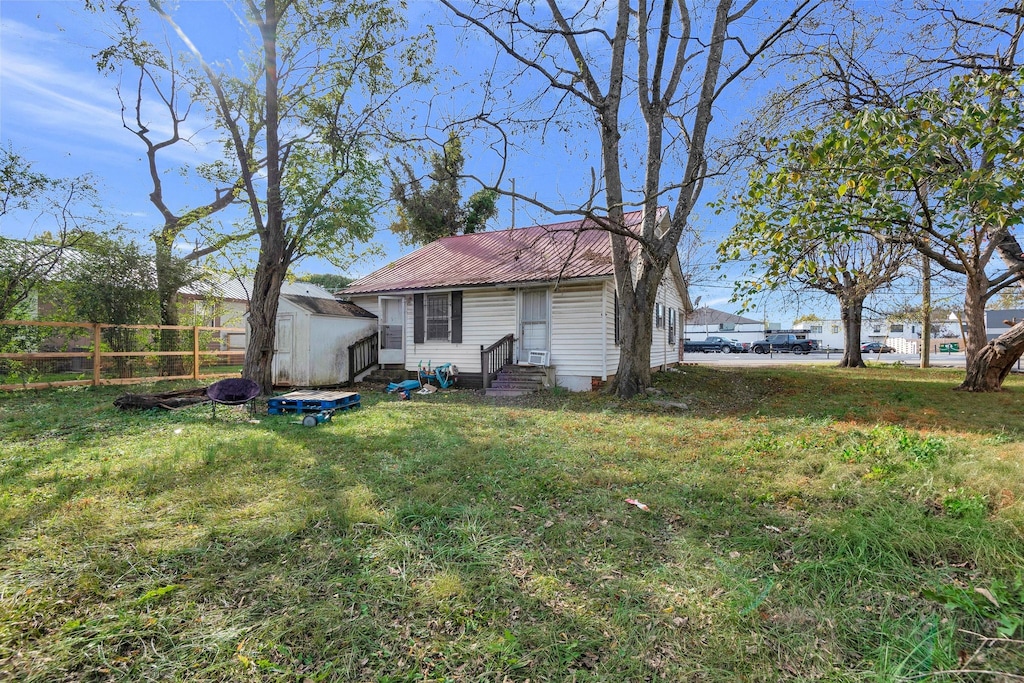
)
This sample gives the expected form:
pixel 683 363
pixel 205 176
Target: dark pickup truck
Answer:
pixel 713 344
pixel 784 342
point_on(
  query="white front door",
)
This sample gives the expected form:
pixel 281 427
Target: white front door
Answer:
pixel 283 342
pixel 392 330
pixel 534 322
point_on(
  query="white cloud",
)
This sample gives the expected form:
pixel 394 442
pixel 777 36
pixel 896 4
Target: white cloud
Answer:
pixel 52 90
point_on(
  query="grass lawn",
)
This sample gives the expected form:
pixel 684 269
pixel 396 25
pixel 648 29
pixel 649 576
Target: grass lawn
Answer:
pixel 803 524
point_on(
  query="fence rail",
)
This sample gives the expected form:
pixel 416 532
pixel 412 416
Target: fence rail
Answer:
pixel 495 357
pixel 362 355
pixel 38 354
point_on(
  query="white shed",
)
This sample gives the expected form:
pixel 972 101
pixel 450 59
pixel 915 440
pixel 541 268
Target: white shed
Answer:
pixel 312 340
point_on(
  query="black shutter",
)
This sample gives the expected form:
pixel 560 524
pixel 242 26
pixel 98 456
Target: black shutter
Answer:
pixel 417 318
pixel 616 318
pixel 457 317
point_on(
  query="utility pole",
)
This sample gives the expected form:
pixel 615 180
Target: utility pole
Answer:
pixel 926 310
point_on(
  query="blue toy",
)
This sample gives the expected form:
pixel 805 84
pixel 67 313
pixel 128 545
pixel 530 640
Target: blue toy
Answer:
pixel 445 375
pixel 403 389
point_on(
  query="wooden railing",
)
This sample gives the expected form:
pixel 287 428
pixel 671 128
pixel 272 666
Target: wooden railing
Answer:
pixel 495 357
pixel 363 355
pixel 38 354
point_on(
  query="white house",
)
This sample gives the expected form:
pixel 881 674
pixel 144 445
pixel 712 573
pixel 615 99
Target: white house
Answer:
pixel 705 321
pixel 902 335
pixel 544 293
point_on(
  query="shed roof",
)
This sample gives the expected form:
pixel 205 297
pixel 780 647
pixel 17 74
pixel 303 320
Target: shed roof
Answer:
pixel 236 288
pixel 541 253
pixel 321 306
pixel 711 316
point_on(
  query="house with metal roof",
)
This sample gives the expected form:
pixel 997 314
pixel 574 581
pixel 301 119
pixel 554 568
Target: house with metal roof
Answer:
pixel 542 295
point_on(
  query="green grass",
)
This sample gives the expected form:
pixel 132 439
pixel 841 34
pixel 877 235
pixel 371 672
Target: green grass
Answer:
pixel 808 524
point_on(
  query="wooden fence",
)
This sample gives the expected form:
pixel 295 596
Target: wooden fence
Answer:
pixel 39 354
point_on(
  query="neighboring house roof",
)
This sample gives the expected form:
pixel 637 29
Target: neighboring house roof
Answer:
pixel 711 316
pixel 239 289
pixel 321 306
pixel 541 253
pixel 998 319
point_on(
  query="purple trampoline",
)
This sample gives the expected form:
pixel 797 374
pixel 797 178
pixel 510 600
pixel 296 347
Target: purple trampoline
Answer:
pixel 233 392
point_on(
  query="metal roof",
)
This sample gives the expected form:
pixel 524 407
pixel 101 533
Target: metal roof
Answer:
pixel 321 306
pixel 712 316
pixel 238 289
pixel 541 253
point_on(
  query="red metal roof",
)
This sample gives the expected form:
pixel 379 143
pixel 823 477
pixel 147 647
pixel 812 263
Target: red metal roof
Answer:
pixel 542 253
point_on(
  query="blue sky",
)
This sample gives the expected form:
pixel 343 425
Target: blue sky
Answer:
pixel 59 112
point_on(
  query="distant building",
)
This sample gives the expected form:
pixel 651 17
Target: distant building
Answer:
pixel 706 321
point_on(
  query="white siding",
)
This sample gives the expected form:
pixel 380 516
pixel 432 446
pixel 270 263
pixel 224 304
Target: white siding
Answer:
pixel 330 338
pixel 582 330
pixel 577 328
pixel 612 362
pixel 662 351
pixel 487 316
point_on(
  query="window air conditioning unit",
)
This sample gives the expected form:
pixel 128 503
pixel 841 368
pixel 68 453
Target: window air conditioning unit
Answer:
pixel 538 358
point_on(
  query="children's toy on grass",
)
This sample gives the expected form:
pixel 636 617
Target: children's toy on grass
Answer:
pixel 403 389
pixel 445 375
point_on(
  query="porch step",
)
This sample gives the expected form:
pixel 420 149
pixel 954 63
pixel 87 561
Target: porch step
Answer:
pixel 517 380
pixel 510 393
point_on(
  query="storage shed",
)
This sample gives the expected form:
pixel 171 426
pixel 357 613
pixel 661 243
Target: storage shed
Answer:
pixel 313 336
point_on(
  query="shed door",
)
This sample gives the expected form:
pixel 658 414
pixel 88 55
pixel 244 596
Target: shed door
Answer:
pixel 283 351
pixel 392 331
pixel 534 322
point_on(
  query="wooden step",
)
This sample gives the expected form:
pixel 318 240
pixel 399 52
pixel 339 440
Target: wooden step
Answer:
pixel 508 393
pixel 506 383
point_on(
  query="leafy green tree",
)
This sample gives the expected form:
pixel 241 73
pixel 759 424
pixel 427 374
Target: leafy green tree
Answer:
pixel 429 213
pixel 106 280
pixel 153 82
pixel 329 281
pixel 795 228
pixel 65 206
pixel 302 117
pixel 110 281
pixel 942 172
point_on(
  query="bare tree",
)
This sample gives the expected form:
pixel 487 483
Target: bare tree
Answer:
pixel 602 58
pixel 301 119
pixel 148 75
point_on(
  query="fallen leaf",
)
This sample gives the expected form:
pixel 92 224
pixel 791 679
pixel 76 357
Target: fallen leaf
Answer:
pixel 548 524
pixel 733 555
pixel 988 596
pixel 518 508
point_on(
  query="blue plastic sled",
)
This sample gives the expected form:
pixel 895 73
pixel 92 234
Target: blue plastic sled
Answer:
pixel 404 388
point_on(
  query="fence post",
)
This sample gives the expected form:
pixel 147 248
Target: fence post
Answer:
pixel 351 365
pixel 195 352
pixel 96 338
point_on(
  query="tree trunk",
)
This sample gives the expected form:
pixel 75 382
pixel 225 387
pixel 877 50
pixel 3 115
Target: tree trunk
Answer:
pixel 266 290
pixel 636 322
pixel 974 316
pixel 167 290
pixel 926 310
pixel 852 313
pixel 994 361
pixel 274 256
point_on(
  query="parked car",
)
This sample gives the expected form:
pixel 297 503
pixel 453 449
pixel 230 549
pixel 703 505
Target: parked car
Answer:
pixel 713 345
pixel 784 342
pixel 876 347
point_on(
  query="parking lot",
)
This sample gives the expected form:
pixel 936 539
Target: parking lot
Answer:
pixel 832 356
